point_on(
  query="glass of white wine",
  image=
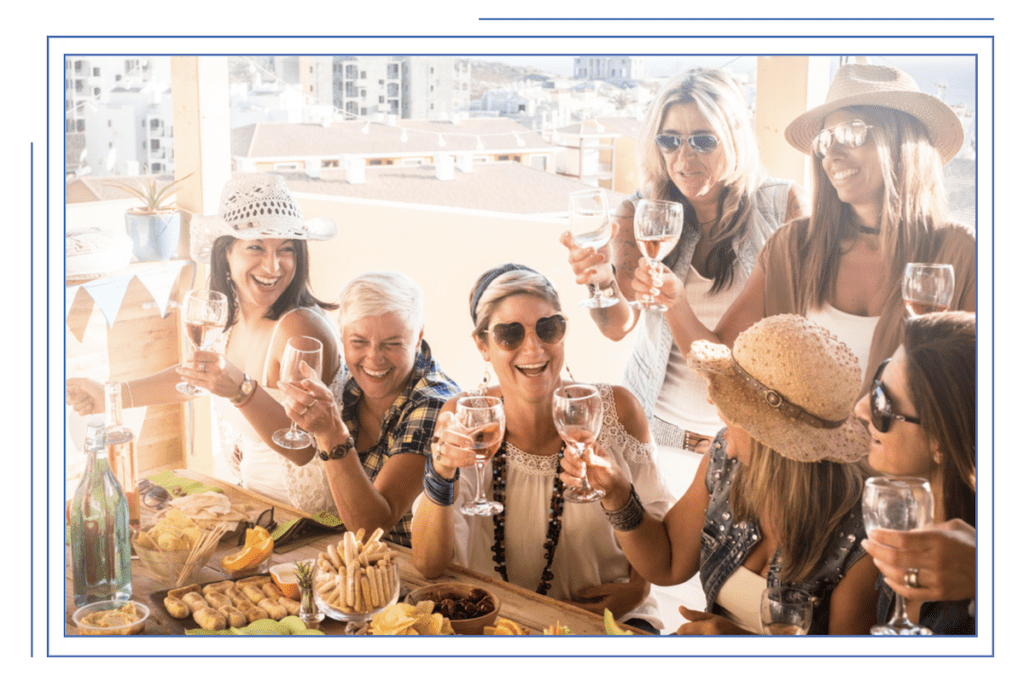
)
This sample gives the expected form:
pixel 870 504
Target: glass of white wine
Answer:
pixel 300 349
pixel 204 314
pixel 591 227
pixel 483 422
pixel 786 611
pixel 897 503
pixel 578 413
pixel 657 225
pixel 927 287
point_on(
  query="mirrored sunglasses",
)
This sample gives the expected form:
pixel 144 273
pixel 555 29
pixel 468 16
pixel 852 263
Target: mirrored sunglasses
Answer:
pixel 550 330
pixel 882 414
pixel 851 134
pixel 701 143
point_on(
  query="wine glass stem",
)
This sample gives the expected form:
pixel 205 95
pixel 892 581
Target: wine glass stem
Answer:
pixel 899 616
pixel 584 484
pixel 480 498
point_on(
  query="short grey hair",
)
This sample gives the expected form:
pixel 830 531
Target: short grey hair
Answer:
pixel 509 284
pixel 377 293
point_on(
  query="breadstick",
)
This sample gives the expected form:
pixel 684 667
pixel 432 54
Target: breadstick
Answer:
pixel 333 557
pixel 351 548
pixel 364 585
pixel 375 538
pixel 375 595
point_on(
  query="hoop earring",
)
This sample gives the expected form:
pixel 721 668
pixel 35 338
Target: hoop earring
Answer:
pixel 571 376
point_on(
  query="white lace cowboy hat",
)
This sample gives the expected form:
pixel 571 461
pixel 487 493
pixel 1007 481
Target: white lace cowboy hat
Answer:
pixel 255 206
pixel 858 84
pixel 791 385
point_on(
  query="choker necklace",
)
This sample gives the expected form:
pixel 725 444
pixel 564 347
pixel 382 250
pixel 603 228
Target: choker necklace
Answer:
pixel 554 519
pixel 870 231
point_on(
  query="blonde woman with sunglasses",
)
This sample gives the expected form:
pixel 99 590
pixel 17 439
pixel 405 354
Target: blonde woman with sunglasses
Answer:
pixel 540 541
pixel 696 147
pixel 878 146
pixel 920 413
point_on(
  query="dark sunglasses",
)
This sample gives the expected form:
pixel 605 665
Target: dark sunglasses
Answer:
pixel 881 406
pixel 851 134
pixel 153 496
pixel 550 330
pixel 265 519
pixel 700 143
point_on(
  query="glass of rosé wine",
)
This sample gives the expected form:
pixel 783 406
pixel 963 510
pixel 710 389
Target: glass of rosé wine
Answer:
pixel 298 350
pixel 482 420
pixel 578 413
pixel 927 288
pixel 204 314
pixel 657 225
pixel 591 227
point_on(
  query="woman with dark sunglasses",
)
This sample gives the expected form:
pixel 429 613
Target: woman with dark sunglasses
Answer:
pixel 878 145
pixel 920 412
pixel 697 147
pixel 540 541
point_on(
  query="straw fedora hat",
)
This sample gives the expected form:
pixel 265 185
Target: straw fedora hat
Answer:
pixel 858 84
pixel 791 385
pixel 255 206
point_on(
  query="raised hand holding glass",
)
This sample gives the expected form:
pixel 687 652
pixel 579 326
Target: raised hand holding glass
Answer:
pixel 204 315
pixel 300 349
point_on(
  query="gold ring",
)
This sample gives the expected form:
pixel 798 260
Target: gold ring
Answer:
pixel 910 578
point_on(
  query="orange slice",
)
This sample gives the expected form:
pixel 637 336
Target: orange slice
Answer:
pixel 257 548
pixel 505 627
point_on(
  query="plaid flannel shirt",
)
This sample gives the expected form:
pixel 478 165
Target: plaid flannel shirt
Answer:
pixel 407 426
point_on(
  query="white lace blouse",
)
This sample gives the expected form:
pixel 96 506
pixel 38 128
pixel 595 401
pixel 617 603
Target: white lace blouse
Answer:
pixel 588 553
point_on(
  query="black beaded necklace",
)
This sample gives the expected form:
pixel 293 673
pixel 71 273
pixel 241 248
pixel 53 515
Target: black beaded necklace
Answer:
pixel 554 519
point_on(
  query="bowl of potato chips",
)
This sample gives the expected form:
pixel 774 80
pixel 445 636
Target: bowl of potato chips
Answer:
pixel 166 549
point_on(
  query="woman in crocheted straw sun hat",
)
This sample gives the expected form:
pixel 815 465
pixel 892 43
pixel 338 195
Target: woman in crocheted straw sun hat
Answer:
pixel 777 498
pixel 256 248
pixel 877 145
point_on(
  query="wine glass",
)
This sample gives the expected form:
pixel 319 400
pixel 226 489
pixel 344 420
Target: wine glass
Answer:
pixel 299 350
pixel 786 611
pixel 657 225
pixel 927 288
pixel 591 227
pixel 897 503
pixel 483 422
pixel 205 314
pixel 578 411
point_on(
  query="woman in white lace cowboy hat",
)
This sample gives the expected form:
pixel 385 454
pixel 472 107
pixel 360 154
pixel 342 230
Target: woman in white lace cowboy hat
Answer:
pixel 878 146
pixel 256 248
pixel 776 500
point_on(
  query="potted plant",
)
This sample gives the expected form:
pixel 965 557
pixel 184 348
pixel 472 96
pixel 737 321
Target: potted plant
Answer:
pixel 155 226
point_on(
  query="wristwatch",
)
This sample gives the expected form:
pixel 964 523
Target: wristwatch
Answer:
pixel 339 451
pixel 244 390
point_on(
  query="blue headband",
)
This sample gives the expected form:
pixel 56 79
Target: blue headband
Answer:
pixel 489 277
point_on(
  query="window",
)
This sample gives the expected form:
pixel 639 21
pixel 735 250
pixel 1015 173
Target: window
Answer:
pixel 96 72
pixel 380 99
pixel 392 71
pixel 327 164
pixel 362 75
pixel 286 166
pixel 350 72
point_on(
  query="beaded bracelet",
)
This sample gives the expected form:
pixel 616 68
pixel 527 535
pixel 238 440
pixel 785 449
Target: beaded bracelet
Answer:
pixel 438 490
pixel 630 516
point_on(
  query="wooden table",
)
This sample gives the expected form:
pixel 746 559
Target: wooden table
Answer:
pixel 530 610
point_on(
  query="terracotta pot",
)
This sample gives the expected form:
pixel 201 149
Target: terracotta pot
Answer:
pixel 154 236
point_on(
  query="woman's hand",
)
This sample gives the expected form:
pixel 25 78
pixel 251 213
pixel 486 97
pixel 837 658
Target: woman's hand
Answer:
pixel 84 395
pixel 311 406
pixel 212 372
pixel 618 597
pixel 600 471
pixel 658 282
pixel 452 449
pixel 942 554
pixel 591 266
pixel 707 624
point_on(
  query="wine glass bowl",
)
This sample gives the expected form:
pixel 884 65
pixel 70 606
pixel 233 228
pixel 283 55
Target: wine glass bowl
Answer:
pixel 578 413
pixel 927 288
pixel 299 350
pixel 657 225
pixel 786 611
pixel 897 503
pixel 590 226
pixel 204 315
pixel 482 422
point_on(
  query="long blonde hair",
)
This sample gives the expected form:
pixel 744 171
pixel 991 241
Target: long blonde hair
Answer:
pixel 913 206
pixel 802 503
pixel 721 100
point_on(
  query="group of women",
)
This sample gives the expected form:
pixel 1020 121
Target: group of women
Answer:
pixel 783 356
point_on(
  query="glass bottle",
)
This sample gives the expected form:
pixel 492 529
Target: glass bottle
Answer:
pixel 121 451
pixel 100 548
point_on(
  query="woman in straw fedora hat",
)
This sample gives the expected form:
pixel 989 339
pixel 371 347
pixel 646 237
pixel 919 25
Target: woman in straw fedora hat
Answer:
pixel 878 146
pixel 776 500
pixel 256 248
pixel 921 418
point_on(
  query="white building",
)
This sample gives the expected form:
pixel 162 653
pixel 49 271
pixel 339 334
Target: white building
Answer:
pixel 131 132
pixel 420 87
pixel 611 68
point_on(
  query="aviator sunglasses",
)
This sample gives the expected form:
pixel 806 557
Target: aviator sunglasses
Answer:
pixel 700 143
pixel 881 406
pixel 851 134
pixel 550 330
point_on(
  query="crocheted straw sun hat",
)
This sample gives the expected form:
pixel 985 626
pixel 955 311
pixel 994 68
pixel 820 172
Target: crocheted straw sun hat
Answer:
pixel 791 385
pixel 256 206
pixel 858 84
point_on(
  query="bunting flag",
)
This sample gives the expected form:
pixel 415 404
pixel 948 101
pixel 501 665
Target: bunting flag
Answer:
pixel 160 282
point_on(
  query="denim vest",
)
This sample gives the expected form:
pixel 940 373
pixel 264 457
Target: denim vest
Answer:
pixel 645 370
pixel 725 544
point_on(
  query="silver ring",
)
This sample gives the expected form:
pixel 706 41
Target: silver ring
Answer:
pixel 306 410
pixel 910 578
pixel 202 367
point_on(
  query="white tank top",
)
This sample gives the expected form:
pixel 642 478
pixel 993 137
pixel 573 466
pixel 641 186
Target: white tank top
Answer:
pixel 854 330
